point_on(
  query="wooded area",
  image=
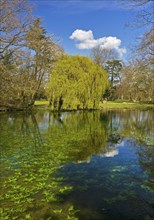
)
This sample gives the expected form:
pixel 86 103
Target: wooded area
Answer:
pixel 33 65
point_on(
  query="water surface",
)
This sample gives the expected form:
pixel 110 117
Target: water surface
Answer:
pixel 77 165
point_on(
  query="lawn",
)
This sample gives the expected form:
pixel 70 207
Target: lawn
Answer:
pixel 126 105
pixel 108 105
pixel 41 102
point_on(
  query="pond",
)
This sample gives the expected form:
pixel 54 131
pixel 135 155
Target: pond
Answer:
pixel 84 165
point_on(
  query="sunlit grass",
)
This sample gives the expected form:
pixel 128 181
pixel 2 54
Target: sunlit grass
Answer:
pixel 41 102
pixel 108 104
pixel 130 105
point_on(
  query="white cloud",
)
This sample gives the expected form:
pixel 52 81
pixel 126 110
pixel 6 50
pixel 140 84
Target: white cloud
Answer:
pixel 87 44
pixel 85 40
pixel 121 51
pixel 110 42
pixel 82 35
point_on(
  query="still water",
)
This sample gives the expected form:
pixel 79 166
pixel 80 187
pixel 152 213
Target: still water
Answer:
pixel 77 165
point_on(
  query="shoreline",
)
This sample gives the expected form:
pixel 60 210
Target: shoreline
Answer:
pixel 43 105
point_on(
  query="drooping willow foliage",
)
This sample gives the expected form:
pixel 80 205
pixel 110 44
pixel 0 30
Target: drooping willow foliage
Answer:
pixel 76 83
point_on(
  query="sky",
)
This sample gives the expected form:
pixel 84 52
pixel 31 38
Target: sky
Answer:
pixel 83 24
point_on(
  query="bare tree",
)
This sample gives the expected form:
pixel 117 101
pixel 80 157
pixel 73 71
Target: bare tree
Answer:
pixel 101 56
pixel 15 17
pixel 26 54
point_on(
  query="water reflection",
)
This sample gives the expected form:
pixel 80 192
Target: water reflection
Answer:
pixel 78 165
pixel 110 153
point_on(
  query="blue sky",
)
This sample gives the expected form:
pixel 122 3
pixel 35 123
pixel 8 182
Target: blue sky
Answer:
pixel 82 24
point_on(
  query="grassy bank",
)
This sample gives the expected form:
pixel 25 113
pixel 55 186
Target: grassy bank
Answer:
pixel 126 105
pixel 41 103
pixel 107 105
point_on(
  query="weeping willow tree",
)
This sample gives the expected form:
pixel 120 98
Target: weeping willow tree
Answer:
pixel 76 83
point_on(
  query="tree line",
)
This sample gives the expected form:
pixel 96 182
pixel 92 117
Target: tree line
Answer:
pixel 27 53
pixel 33 65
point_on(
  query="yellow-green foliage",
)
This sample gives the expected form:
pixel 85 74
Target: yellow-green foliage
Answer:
pixel 76 82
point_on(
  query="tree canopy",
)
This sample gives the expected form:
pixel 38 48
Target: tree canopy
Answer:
pixel 27 53
pixel 137 78
pixel 76 83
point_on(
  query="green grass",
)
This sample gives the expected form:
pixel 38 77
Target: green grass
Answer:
pixel 108 105
pixel 126 105
pixel 41 102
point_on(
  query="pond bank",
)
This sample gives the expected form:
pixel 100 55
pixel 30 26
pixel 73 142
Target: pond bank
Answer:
pixel 126 105
pixel 44 105
pixel 108 105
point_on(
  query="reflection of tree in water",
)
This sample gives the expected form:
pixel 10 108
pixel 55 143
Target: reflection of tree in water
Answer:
pixel 93 181
pixel 32 154
pixel 146 159
pixel 19 130
pixel 138 125
pixel 28 163
pixel 84 134
pixel 34 148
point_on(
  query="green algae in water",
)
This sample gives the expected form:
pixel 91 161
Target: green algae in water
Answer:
pixel 81 165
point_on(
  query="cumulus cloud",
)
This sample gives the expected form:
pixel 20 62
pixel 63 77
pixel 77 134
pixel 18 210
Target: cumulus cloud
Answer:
pixel 85 40
pixel 121 51
pixel 82 35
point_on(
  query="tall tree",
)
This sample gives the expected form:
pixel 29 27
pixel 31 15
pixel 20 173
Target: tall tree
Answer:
pixel 113 68
pixel 137 79
pixel 137 82
pixel 44 52
pixel 26 54
pixel 76 82
pixel 108 59
pixel 15 17
pixel 101 56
